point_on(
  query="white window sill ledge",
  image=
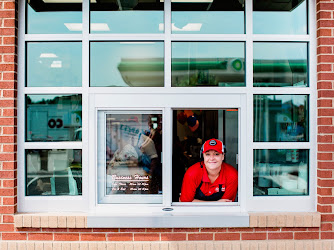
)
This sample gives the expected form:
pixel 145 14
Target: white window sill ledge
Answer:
pixel 166 220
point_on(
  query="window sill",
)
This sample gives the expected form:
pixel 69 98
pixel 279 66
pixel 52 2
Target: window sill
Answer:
pixel 170 220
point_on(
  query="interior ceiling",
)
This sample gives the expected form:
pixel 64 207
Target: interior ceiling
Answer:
pixel 215 5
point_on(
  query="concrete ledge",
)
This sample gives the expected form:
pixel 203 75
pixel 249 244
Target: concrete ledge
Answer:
pixel 184 245
pixel 254 220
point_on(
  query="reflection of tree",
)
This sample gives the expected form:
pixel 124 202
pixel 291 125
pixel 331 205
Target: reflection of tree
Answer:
pixel 201 77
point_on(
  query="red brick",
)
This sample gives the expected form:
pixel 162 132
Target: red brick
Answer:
pixel 53 230
pixel 133 230
pixel 227 236
pixel 326 147
pixel 327 217
pixel 7 139
pixel 306 235
pixel 326 129
pixel 9 58
pixel 146 237
pixel 28 229
pixel 7 32
pixel 173 236
pixel 7 85
pixel 324 138
pixel 325 165
pixel 266 229
pixel 8 219
pixel 325 41
pixel 324 15
pixel 120 237
pixel 324 67
pixel 9 165
pixel 324 49
pixel 327 235
pixel 9 5
pixel 326 227
pixel 9 130
pixel 325 174
pixel 200 236
pixel 254 236
pixel 9 76
pixel 324 191
pixel 213 230
pixel 280 236
pixel 40 236
pixel 7 192
pixel 325 6
pixel 80 230
pixel 6 227
pixel 7 67
pixel 66 237
pixel 324 85
pixel 325 156
pixel 324 209
pixel 7 209
pixel 313 229
pixel 9 148
pixel 179 230
pixel 326 183
pixel 7 121
pixel 9 200
pixel 325 103
pixel 9 23
pixel 93 237
pixel 14 236
pixel 105 230
pixel 325 112
pixel 9 94
pixel 324 59
pixel 159 230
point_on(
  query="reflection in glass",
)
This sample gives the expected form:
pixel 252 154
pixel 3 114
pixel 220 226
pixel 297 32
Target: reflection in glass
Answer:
pixel 53 118
pixel 132 64
pixel 133 153
pixel 278 17
pixel 53 172
pixel 191 128
pixel 54 64
pixel 54 17
pixel 281 118
pixel 208 64
pixel 281 172
pixel 124 16
pixel 280 65
pixel 208 17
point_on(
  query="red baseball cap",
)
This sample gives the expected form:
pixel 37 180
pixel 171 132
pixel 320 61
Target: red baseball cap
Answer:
pixel 213 144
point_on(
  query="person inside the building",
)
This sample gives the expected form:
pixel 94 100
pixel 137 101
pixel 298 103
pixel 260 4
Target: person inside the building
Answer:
pixel 210 179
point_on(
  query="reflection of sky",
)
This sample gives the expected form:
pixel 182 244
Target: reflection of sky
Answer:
pixel 280 51
pixel 281 22
pixel 60 67
pixel 213 22
pixel 105 57
pixel 208 50
pixel 51 22
pixel 296 99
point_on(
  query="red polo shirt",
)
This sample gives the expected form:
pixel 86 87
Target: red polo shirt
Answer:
pixel 228 178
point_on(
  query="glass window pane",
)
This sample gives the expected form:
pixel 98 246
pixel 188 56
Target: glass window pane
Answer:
pixel 54 64
pixel 208 64
pixel 280 65
pixel 53 172
pixel 127 64
pixel 208 17
pixel 53 118
pixel 54 17
pixel 281 118
pixel 133 165
pixel 123 16
pixel 280 17
pixel 191 128
pixel 281 172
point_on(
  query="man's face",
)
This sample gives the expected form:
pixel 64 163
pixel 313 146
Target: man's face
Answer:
pixel 213 159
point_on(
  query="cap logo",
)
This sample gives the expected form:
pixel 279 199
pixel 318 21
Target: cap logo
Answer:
pixel 212 143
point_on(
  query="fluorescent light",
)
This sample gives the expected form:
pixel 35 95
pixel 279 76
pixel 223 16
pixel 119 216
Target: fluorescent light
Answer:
pixel 48 55
pixel 56 64
pixel 137 42
pixel 99 27
pixel 190 1
pixel 93 26
pixel 73 26
pixel 187 27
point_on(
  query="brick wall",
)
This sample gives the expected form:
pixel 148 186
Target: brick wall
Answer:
pixel 325 68
pixel 8 120
pixel 8 163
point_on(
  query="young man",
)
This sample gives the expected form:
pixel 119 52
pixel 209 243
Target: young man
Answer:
pixel 211 179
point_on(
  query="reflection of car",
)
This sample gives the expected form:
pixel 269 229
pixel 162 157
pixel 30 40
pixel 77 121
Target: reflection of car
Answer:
pixel 65 182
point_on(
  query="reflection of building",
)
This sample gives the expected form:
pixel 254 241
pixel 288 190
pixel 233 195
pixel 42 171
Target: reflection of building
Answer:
pixel 213 72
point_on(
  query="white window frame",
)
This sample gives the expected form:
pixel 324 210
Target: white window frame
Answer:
pixel 92 100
